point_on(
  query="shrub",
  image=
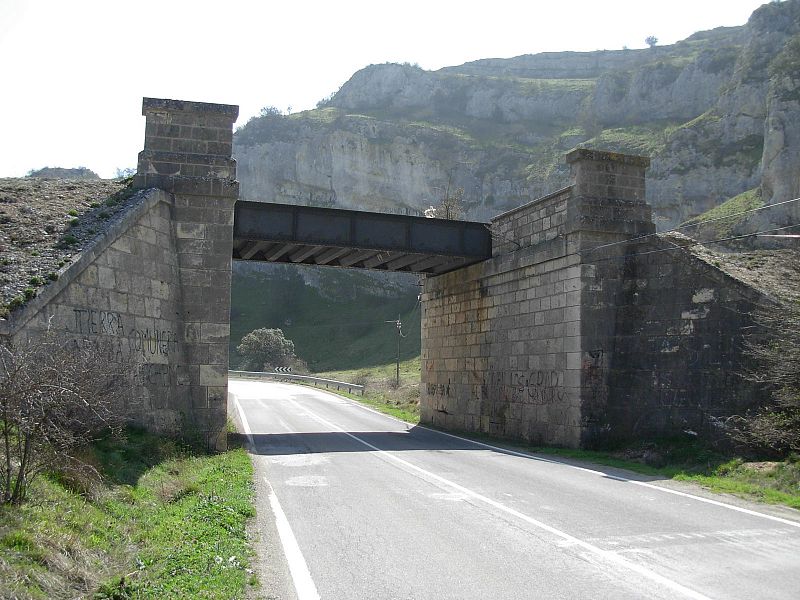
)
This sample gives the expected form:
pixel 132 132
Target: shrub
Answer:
pixel 776 353
pixel 265 349
pixel 56 395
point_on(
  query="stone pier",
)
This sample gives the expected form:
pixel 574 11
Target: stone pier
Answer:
pixel 540 343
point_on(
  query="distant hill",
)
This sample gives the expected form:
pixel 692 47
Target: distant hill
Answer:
pixel 62 173
pixel 717 112
pixel 335 317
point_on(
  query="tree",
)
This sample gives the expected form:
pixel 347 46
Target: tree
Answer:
pixel 451 205
pixel 651 41
pixel 270 111
pixel 776 354
pixel 125 173
pixel 56 395
pixel 265 349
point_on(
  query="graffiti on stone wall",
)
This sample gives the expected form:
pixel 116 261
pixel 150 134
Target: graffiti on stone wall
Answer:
pixel 111 334
pixel 535 388
pixel 139 342
pixel 593 366
pixel 538 388
pixel 98 322
pixel 438 389
pixel 162 375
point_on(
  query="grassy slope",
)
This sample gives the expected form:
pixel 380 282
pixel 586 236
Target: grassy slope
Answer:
pixel 728 214
pixel 344 333
pixel 774 482
pixel 165 523
pixel 380 391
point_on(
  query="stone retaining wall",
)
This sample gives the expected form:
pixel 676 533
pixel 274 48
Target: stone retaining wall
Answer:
pixel 584 329
pixel 155 288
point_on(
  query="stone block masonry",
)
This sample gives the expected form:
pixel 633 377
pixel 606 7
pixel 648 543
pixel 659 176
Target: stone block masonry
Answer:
pixel 559 339
pixel 583 329
pixel 155 288
pixel 123 295
pixel 187 152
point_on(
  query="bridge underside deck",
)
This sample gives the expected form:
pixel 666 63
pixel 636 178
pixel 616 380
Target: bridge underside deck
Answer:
pixel 353 239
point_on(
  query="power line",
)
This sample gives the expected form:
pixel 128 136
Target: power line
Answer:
pixel 689 226
pixel 694 243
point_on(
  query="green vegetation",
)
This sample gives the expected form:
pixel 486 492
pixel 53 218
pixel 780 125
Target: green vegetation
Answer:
pixel 16 302
pixel 728 213
pixel 36 280
pixel 381 391
pixel 772 482
pixel 320 115
pixel 264 349
pixel 74 222
pixel 645 140
pixel 345 331
pixel 73 213
pixel 787 63
pixel 164 522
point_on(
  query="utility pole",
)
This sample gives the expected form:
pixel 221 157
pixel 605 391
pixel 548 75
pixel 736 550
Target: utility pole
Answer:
pixel 399 325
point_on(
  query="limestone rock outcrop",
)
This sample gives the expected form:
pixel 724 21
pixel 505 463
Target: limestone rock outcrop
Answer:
pixel 713 111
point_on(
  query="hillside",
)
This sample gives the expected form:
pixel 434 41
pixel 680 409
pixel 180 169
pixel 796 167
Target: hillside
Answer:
pixel 335 317
pixel 718 112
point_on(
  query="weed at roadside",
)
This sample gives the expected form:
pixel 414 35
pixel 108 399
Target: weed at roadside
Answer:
pixel 165 522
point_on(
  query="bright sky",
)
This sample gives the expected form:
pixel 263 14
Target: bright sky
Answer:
pixel 74 72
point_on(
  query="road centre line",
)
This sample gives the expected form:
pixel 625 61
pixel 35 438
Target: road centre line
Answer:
pixel 606 555
pixel 301 576
pixel 644 484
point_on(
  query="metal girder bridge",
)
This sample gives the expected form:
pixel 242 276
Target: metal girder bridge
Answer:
pixel 363 240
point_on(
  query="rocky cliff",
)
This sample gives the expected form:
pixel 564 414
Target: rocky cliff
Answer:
pixel 717 112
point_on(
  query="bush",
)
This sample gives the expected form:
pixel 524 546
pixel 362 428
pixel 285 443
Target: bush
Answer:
pixel 776 354
pixel 265 349
pixel 55 396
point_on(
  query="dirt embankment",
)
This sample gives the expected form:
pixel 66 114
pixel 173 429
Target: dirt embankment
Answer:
pixel 44 224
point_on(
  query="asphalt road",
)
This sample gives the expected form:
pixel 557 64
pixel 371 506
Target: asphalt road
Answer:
pixel 357 505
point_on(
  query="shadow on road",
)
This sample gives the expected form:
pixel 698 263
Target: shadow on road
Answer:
pixel 416 438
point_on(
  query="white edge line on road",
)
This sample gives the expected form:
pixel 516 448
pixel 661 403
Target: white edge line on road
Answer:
pixel 301 576
pixel 603 554
pixel 740 509
pixel 245 424
pixel 659 488
pixel 303 583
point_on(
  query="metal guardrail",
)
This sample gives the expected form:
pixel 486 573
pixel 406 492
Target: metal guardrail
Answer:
pixel 307 378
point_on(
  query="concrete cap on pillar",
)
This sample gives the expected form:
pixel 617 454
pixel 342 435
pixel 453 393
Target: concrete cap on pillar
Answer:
pixel 167 105
pixel 606 156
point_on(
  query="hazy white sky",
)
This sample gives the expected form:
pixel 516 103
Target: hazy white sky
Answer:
pixel 74 72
